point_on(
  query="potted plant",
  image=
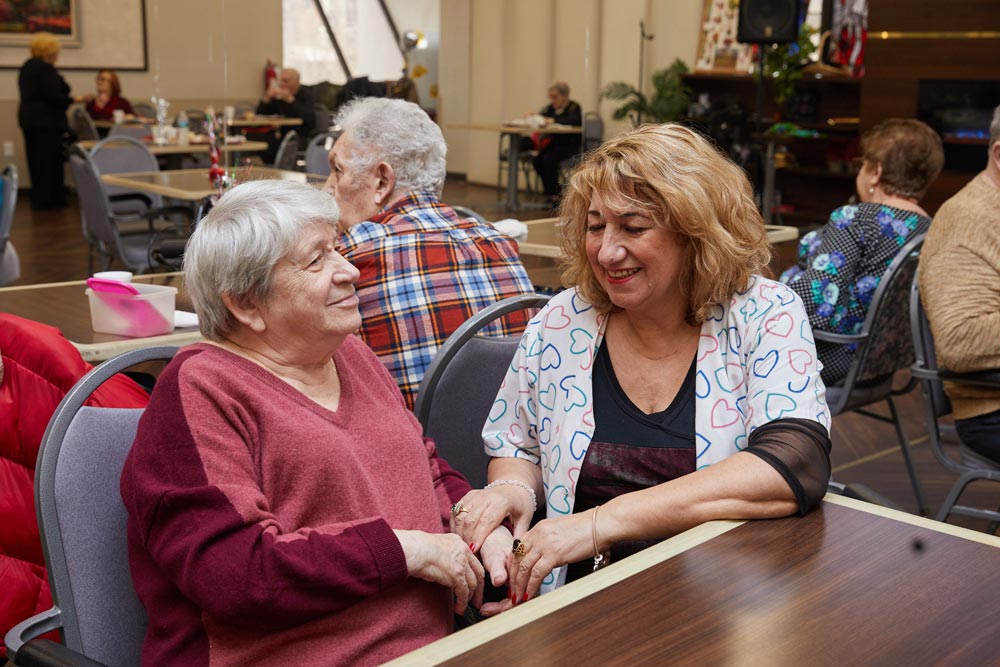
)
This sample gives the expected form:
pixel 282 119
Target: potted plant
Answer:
pixel 783 63
pixel 669 101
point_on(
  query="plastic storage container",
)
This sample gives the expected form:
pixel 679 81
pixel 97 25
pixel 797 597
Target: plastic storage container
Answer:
pixel 149 313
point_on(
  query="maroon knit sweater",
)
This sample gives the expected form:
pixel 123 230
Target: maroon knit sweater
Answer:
pixel 260 523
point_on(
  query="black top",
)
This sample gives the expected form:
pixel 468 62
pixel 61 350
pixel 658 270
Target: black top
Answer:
pixel 44 96
pixel 303 106
pixel 571 115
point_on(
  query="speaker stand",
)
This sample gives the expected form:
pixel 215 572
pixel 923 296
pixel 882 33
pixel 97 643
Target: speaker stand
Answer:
pixel 767 191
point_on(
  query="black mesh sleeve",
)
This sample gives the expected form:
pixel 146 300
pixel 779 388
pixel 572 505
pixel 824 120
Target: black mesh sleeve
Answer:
pixel 799 449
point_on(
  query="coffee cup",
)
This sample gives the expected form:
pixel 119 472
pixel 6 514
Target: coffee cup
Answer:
pixel 119 116
pixel 120 276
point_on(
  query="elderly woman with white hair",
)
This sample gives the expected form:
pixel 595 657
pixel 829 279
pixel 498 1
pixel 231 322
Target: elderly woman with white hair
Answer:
pixel 424 270
pixel 282 503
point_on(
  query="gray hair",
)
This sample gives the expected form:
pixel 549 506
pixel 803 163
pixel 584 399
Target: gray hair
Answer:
pixel 400 134
pixel 234 249
pixel 560 87
pixel 995 126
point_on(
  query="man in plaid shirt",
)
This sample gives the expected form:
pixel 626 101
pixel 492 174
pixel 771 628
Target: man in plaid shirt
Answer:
pixel 424 270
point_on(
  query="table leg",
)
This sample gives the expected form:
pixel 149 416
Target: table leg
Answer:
pixel 513 155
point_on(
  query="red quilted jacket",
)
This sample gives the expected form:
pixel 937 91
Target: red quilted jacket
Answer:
pixel 39 367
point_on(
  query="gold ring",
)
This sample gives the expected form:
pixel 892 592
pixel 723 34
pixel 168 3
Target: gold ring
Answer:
pixel 519 548
pixel 457 509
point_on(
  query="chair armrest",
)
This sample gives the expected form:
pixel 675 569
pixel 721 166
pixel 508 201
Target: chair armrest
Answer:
pixel 166 211
pixel 47 653
pixel 130 196
pixel 840 339
pixel 988 378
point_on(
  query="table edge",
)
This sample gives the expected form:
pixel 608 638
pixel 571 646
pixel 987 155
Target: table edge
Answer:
pixel 458 643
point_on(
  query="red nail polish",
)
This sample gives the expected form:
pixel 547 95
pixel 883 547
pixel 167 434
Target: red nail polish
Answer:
pixel 524 598
pixel 472 546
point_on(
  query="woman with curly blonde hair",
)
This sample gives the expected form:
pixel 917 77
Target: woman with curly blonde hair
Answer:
pixel 671 385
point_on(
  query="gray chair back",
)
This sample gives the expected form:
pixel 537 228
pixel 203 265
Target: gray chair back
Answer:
pixel 131 128
pixel 144 110
pixel 466 212
pixel 593 131
pixel 97 219
pixel 318 151
pixel 461 384
pixel 82 523
pixel 285 157
pixel 83 125
pixel 118 154
pixel 883 347
pixel 10 263
pixel 967 464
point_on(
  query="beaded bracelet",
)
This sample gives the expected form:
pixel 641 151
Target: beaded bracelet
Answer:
pixel 516 482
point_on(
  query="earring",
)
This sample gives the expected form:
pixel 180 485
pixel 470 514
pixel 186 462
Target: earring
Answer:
pixel 871 191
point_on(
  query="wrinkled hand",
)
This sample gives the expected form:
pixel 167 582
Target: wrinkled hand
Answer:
pixel 445 560
pixel 487 509
pixel 494 553
pixel 550 543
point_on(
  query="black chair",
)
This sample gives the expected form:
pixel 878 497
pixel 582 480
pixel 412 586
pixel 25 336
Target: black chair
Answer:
pixel 82 526
pixel 10 263
pixel 967 464
pixel 461 384
pixel 883 347
pixel 525 162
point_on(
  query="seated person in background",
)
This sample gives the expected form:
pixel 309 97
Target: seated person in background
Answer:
pixel 840 265
pixel 286 97
pixel 658 389
pixel 557 147
pixel 282 504
pixel 424 270
pixel 109 97
pixel 960 289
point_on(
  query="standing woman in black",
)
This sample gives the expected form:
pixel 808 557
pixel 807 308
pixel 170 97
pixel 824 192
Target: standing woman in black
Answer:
pixel 42 116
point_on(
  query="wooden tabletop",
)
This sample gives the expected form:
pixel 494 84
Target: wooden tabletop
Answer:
pixel 175 148
pixel 193 184
pixel 544 237
pixel 67 307
pixel 518 129
pixel 262 121
pixel 848 584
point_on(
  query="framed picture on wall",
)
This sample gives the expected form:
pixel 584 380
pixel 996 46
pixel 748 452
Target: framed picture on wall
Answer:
pixel 718 50
pixel 105 33
pixel 20 19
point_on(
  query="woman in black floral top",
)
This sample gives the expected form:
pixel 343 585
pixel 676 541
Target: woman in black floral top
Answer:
pixel 840 265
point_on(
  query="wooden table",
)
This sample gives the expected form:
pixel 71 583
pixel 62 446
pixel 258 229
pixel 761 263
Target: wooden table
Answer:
pixel 66 307
pixel 544 237
pixel 174 148
pixel 265 121
pixel 849 584
pixel 193 184
pixel 513 149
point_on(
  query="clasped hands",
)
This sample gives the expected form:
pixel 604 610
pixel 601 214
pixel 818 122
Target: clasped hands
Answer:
pixel 549 544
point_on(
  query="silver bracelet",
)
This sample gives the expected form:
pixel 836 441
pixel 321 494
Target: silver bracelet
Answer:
pixel 516 482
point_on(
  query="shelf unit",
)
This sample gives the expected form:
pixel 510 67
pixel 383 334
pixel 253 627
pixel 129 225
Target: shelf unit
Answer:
pixel 813 176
